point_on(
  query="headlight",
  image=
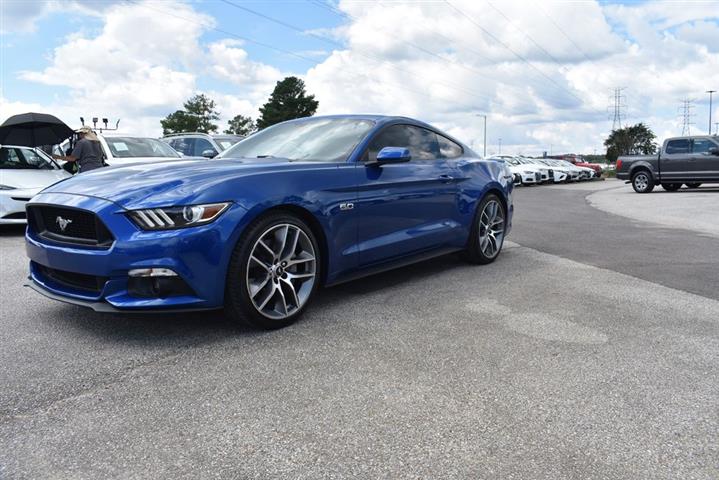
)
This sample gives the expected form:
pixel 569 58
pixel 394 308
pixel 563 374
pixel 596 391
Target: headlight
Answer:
pixel 7 187
pixel 167 218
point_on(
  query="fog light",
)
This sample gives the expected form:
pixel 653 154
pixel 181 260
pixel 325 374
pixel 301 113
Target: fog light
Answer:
pixel 151 272
pixel 156 283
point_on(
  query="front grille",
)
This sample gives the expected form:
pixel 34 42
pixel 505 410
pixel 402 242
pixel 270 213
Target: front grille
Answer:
pixel 69 225
pixel 15 216
pixel 80 281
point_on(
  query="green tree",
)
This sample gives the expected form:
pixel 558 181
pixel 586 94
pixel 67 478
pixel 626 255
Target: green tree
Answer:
pixel 288 100
pixel 198 115
pixel 240 125
pixel 635 140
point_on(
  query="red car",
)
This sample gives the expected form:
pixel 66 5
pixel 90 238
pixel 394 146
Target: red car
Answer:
pixel 579 161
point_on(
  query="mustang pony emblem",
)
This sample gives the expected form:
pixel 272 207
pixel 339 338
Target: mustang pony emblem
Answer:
pixel 63 222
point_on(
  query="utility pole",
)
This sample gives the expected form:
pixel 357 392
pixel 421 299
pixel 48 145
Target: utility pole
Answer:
pixel 687 115
pixel 711 93
pixel 485 132
pixel 616 106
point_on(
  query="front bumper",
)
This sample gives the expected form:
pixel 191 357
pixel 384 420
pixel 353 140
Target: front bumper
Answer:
pixel 199 256
pixel 12 205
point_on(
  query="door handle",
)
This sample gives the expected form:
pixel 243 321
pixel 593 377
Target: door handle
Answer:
pixel 446 178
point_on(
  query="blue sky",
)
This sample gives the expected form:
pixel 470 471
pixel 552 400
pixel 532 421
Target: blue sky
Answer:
pixel 542 72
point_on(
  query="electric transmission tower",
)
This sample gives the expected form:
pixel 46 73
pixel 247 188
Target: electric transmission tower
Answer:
pixel 616 106
pixel 687 114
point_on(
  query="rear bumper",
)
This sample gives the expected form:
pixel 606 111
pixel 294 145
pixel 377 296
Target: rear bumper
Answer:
pixel 623 175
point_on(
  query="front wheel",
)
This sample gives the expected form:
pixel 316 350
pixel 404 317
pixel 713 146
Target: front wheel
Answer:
pixel 693 185
pixel 273 273
pixel 487 236
pixel 671 187
pixel 642 182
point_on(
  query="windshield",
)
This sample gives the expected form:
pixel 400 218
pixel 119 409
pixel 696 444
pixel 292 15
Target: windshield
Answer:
pixel 318 140
pixel 24 158
pixel 131 147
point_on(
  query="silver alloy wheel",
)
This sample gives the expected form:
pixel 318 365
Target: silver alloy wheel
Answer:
pixel 281 271
pixel 491 229
pixel 641 181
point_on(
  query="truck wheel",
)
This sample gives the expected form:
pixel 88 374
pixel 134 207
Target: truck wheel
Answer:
pixel 671 187
pixel 693 185
pixel 642 182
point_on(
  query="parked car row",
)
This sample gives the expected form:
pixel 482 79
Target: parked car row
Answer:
pixel 535 171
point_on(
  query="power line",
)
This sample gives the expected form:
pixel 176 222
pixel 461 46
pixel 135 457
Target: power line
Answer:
pixel 687 114
pixel 561 30
pixel 401 88
pixel 464 66
pixel 338 44
pixel 510 22
pixel 493 37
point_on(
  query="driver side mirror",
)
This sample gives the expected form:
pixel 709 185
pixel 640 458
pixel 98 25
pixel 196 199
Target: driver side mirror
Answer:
pixel 391 155
pixel 714 151
pixel 209 153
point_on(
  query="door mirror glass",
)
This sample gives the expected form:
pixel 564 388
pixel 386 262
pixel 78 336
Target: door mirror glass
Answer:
pixel 392 155
pixel 209 153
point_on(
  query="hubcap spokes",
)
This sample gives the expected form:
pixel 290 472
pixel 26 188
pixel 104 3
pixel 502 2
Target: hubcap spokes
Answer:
pixel 491 229
pixel 281 271
pixel 642 181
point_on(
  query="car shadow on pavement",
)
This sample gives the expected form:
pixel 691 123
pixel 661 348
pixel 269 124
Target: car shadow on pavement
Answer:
pixel 158 330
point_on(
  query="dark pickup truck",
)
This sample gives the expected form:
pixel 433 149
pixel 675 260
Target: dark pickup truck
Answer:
pixel 682 160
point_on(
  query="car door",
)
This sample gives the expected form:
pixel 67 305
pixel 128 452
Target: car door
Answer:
pixel 405 208
pixel 675 159
pixel 704 165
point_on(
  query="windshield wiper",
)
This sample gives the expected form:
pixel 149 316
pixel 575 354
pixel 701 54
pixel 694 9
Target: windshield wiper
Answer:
pixel 265 156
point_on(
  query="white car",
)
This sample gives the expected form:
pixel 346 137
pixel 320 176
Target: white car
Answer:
pixel 544 170
pixel 24 171
pixel 561 172
pixel 523 174
pixel 127 150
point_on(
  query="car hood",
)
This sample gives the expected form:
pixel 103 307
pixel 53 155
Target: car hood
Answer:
pixel 157 184
pixel 31 178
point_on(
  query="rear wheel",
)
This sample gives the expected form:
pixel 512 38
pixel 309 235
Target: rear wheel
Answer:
pixel 642 182
pixel 487 236
pixel 273 273
pixel 693 185
pixel 671 187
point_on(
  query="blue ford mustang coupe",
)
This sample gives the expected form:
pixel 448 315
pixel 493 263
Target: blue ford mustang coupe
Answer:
pixel 305 203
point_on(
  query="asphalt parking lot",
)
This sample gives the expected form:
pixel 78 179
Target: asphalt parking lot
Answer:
pixel 589 349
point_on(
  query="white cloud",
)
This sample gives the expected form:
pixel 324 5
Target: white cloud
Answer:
pixel 420 59
pixel 391 65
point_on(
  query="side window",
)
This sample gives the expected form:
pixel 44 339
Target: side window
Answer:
pixel 448 149
pixel 702 145
pixel 202 144
pixel 422 144
pixel 678 146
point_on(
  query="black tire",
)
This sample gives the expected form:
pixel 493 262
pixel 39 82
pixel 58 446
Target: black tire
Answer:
pixel 239 305
pixel 642 182
pixel 671 187
pixel 474 251
pixel 693 185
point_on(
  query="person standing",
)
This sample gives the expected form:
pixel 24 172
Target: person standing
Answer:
pixel 87 152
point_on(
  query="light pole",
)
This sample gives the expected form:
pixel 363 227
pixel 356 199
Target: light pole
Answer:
pixel 711 93
pixel 485 132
